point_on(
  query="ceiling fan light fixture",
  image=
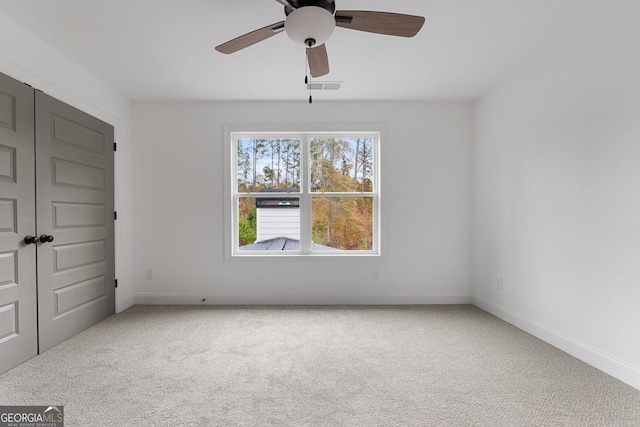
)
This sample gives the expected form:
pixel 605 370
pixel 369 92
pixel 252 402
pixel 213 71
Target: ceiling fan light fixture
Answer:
pixel 310 23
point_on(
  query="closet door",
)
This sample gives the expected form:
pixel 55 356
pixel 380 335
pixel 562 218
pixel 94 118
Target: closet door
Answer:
pixel 74 184
pixel 18 322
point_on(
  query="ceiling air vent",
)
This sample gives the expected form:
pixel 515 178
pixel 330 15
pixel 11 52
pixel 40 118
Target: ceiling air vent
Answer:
pixel 324 85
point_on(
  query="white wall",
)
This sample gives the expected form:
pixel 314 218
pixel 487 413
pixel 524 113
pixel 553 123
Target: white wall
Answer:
pixel 557 196
pixel 179 210
pixel 27 59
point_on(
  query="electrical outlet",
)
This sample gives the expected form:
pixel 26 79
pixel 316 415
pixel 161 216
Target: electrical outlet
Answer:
pixel 375 274
pixel 499 282
pixel 149 274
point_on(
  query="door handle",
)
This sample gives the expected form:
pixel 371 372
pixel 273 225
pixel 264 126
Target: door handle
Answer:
pixel 46 238
pixel 31 239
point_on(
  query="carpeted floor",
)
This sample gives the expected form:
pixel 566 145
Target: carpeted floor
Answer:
pixel 316 366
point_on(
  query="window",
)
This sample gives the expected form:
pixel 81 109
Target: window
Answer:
pixel 304 193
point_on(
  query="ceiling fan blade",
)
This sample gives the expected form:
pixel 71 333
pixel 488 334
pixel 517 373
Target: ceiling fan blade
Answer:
pixel 391 24
pixel 251 38
pixel 318 60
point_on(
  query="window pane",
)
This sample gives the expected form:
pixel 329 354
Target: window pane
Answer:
pixel 342 222
pixel 247 221
pixel 268 164
pixel 269 223
pixel 341 164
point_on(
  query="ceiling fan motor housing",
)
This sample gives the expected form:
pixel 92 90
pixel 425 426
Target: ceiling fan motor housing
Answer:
pixel 297 4
pixel 310 25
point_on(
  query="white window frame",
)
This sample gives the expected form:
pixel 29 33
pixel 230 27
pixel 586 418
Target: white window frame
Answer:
pixel 234 132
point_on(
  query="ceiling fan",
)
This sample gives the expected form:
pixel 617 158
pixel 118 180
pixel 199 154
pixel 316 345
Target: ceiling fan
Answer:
pixel 311 23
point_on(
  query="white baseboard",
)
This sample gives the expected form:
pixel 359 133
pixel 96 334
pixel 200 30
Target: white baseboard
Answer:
pixel 300 299
pixel 124 303
pixel 619 369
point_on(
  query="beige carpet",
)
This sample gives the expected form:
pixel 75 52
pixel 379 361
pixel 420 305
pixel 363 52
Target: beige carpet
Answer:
pixel 316 366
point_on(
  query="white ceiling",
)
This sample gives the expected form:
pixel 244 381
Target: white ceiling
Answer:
pixel 164 49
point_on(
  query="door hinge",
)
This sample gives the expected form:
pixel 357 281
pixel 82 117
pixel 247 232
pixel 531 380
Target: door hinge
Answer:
pixel 116 283
pixel 115 215
pixel 115 147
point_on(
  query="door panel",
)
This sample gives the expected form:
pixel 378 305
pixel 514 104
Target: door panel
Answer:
pixel 18 322
pixel 76 271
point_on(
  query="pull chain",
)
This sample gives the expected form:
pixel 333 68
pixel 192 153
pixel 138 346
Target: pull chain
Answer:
pixel 306 79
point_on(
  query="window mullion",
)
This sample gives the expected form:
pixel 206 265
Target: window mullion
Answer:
pixel 305 198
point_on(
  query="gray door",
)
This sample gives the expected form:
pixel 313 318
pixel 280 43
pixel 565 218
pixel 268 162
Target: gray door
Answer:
pixel 74 186
pixel 18 323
